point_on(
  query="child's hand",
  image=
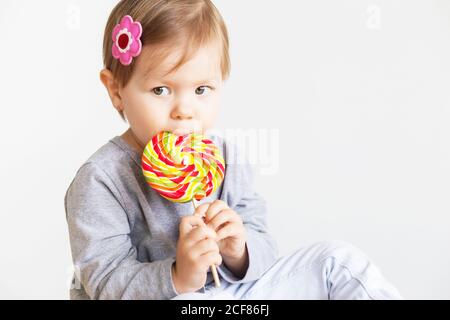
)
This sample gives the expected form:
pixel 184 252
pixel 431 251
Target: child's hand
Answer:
pixel 231 235
pixel 197 250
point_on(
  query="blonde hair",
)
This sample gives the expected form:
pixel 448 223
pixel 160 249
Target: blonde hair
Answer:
pixel 168 24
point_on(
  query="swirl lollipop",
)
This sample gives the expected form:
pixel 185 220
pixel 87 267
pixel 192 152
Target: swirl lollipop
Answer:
pixel 183 168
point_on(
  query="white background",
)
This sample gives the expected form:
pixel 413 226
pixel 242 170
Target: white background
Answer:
pixel 359 92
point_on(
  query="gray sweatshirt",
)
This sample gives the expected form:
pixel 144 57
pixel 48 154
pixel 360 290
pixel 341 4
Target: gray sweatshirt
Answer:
pixel 123 234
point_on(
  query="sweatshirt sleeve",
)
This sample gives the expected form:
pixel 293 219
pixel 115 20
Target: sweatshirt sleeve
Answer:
pixel 240 195
pixel 104 258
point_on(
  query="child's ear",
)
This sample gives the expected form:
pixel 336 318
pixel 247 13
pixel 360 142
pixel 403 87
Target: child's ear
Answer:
pixel 113 88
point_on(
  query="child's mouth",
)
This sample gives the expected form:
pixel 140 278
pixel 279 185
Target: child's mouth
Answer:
pixel 181 131
pixel 184 131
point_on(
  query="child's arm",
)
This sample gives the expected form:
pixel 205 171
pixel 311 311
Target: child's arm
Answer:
pixel 103 254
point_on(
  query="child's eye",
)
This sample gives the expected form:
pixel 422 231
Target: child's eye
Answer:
pixel 159 90
pixel 201 91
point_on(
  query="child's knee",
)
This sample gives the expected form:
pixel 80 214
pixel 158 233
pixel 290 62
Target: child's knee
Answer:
pixel 343 252
pixel 333 245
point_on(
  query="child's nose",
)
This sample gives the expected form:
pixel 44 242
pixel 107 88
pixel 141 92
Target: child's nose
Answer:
pixel 182 112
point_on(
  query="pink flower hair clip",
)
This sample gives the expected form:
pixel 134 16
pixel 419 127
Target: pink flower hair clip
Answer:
pixel 126 38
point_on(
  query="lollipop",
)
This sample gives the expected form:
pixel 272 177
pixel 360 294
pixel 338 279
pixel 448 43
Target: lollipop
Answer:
pixel 183 168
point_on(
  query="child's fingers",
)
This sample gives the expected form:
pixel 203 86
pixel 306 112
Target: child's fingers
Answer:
pixel 230 230
pixel 190 222
pixel 214 209
pixel 201 209
pixel 222 217
pixel 211 258
pixel 198 234
pixel 204 246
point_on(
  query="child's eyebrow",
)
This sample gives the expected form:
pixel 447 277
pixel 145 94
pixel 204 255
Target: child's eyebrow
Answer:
pixel 160 74
pixel 210 80
pixel 169 82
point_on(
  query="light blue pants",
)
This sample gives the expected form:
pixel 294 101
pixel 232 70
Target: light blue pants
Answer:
pixel 326 270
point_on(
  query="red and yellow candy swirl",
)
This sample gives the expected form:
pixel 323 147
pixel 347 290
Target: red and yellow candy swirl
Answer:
pixel 182 168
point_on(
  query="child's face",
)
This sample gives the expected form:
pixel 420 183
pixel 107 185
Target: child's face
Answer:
pixel 184 101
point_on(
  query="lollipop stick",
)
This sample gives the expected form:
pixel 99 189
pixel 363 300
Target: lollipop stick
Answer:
pixel 213 267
